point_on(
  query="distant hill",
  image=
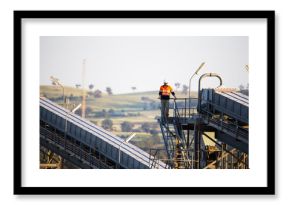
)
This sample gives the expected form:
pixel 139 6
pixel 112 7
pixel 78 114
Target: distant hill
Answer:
pixel 51 91
pixel 55 91
pixel 135 107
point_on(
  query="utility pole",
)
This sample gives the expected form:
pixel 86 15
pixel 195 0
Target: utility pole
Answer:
pixel 84 91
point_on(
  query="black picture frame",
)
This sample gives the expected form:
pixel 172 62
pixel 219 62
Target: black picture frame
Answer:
pixel 19 189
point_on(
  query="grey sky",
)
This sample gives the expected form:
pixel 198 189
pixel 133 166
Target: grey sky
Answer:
pixel 144 62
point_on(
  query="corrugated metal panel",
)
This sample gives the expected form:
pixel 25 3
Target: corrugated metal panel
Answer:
pixel 233 104
pixel 236 98
pixel 93 136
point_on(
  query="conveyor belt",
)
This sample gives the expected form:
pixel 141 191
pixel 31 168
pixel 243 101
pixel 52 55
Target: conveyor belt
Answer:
pixel 232 104
pixel 240 98
pixel 95 136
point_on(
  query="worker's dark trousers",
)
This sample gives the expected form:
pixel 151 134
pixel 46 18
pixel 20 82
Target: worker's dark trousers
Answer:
pixel 164 109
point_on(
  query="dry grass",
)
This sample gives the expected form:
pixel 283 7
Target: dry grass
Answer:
pixel 56 91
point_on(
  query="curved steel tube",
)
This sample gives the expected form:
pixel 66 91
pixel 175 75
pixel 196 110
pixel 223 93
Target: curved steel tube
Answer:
pixel 199 81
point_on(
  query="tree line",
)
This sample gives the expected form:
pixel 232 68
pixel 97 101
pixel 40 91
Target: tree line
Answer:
pixel 127 126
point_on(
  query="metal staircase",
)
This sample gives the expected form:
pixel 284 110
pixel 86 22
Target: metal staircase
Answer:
pixel 184 131
pixel 224 113
pixel 174 139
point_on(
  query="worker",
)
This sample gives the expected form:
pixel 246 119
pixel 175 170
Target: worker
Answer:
pixel 164 94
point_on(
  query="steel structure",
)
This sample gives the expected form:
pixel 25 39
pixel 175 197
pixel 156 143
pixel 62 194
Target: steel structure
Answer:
pixel 227 111
pixel 218 115
pixel 221 112
pixel 86 145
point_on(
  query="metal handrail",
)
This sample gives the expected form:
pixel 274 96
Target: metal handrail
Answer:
pixel 186 106
pixel 177 122
pixel 154 160
pixel 239 130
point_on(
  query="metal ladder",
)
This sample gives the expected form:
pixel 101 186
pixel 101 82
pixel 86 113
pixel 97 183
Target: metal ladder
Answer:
pixel 174 140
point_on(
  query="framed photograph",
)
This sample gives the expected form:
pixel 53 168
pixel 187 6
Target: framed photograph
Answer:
pixel 144 102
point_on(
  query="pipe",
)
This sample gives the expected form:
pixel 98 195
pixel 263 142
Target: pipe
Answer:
pixel 199 82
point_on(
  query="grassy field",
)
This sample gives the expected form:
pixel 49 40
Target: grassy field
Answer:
pixel 55 91
pixel 137 107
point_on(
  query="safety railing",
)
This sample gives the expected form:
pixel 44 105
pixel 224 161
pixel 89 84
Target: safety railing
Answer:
pixel 180 160
pixel 181 110
pixel 185 107
pixel 219 121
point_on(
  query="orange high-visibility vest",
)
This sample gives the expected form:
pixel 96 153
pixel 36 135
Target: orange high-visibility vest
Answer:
pixel 165 90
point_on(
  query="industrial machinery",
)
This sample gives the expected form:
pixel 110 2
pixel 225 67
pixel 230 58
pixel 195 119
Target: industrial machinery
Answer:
pixel 207 132
pixel 86 145
pixel 210 131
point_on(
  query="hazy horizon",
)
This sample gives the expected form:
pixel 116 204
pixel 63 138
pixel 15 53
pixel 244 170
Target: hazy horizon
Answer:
pixel 143 62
